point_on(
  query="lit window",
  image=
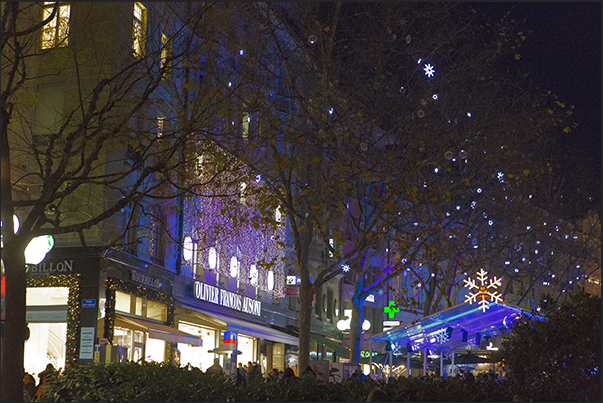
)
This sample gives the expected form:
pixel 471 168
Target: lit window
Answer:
pixel 164 50
pixel 56 31
pixel 242 195
pixel 234 267
pixel 278 215
pixel 245 126
pixel 253 275
pixel 270 281
pixel 199 166
pixel 160 125
pixel 140 27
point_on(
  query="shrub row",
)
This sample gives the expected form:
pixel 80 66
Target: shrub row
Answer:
pixel 153 382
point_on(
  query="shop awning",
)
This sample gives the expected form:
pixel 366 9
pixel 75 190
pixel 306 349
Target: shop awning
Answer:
pixel 157 330
pixel 254 329
pixel 341 351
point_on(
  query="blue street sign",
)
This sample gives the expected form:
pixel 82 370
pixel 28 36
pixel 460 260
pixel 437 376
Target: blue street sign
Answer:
pixel 88 303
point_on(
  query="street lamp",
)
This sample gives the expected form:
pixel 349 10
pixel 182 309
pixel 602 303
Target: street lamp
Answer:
pixel 37 248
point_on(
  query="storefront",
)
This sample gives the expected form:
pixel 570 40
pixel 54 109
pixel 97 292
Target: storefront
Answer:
pixel 138 315
pixel 208 311
pixel 60 325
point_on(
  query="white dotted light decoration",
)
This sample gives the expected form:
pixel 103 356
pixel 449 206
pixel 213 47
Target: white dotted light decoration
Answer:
pixel 483 293
pixel 429 70
pixel 345 268
pixel 256 250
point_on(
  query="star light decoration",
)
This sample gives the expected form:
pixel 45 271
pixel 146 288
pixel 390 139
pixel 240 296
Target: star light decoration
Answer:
pixel 483 292
pixel 429 70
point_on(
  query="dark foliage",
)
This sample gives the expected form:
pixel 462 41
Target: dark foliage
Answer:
pixel 557 359
pixel 152 382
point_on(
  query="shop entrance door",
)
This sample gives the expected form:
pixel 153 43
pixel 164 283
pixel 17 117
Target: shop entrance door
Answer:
pixel 138 347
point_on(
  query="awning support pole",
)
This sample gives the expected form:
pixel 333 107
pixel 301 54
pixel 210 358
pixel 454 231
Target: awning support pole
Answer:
pixel 424 361
pixel 391 365
pixel 408 363
pixel 442 363
pixel 452 361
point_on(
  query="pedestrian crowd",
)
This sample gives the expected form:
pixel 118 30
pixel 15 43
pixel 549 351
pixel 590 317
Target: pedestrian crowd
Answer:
pixel 35 391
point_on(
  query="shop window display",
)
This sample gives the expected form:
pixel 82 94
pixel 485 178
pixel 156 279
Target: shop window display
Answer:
pixel 197 356
pixel 46 344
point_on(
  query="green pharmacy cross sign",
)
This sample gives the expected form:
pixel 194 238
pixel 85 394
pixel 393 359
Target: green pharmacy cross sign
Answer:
pixel 392 309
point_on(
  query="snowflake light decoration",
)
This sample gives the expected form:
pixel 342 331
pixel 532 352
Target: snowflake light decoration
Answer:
pixel 345 268
pixel 429 70
pixel 483 292
pixel 443 335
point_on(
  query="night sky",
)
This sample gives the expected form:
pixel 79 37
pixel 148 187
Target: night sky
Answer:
pixel 563 55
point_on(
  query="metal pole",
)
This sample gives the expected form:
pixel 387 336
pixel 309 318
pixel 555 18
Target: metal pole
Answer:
pixel 452 360
pixel 408 363
pixel 371 357
pixel 441 363
pixel 391 363
pixel 424 361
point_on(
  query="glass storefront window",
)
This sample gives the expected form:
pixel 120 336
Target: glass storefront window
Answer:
pixel 155 310
pixel 122 302
pixel 39 296
pixel 139 304
pixel 195 355
pixel 46 344
pixel 134 340
pixel 142 307
pixel 155 349
pixel 246 347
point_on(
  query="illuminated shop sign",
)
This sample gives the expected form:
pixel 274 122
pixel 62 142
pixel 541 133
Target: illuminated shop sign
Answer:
pixel 226 298
pixel 65 266
pixel 144 279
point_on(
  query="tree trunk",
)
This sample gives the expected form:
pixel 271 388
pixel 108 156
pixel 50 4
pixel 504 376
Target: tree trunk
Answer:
pixel 306 292
pixel 356 332
pixel 13 337
pixel 305 314
pixel 13 258
pixel 356 322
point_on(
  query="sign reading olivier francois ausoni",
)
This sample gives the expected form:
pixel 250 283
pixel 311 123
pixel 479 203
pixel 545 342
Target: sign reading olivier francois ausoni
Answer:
pixel 226 298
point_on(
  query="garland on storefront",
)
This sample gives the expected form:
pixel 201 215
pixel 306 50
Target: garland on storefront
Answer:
pixel 137 290
pixel 71 281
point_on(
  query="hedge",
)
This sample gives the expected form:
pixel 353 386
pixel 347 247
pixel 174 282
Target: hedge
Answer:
pixel 154 382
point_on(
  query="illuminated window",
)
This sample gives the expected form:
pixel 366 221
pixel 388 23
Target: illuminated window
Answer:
pixel 155 310
pixel 56 31
pixel 245 126
pixel 278 216
pixel 156 238
pixel 165 52
pixel 160 125
pixel 122 302
pixel 36 296
pixel 199 166
pixel 254 275
pixel 139 29
pixel 242 194
pixel 234 267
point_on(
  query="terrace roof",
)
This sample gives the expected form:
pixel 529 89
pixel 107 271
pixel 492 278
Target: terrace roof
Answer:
pixel 463 322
